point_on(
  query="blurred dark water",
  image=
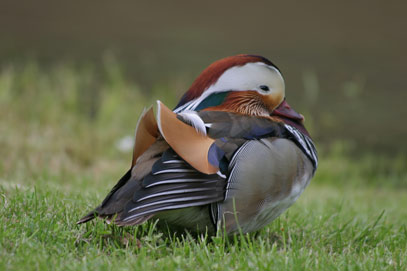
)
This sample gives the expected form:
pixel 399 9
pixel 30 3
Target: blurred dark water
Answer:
pixel 344 62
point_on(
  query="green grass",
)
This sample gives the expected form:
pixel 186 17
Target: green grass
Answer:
pixel 329 228
pixel 58 132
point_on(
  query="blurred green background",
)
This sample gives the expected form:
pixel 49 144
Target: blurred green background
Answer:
pixel 75 75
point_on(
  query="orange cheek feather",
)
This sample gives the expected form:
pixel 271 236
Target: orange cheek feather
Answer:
pixel 248 102
pixel 238 102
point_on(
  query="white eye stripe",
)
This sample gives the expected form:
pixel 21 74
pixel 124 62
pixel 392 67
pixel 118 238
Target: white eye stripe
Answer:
pixel 242 78
pixel 248 76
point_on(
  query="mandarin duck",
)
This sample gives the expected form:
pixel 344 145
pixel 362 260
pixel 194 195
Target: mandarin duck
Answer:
pixel 232 155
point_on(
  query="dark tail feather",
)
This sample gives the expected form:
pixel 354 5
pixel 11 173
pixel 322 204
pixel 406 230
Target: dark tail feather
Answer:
pixel 88 217
pixel 138 221
pixel 94 213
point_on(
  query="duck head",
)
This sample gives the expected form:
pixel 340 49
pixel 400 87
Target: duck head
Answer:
pixel 245 84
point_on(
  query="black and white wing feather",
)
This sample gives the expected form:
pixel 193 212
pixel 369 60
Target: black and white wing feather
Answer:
pixel 172 184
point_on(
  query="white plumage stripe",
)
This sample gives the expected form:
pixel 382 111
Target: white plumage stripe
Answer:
pixel 173 181
pixel 174 170
pixel 171 192
pixel 133 217
pixel 170 201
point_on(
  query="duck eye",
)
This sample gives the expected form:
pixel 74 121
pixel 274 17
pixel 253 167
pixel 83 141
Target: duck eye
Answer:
pixel 265 88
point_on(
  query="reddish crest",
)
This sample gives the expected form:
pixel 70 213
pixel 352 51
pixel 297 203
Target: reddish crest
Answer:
pixel 211 74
